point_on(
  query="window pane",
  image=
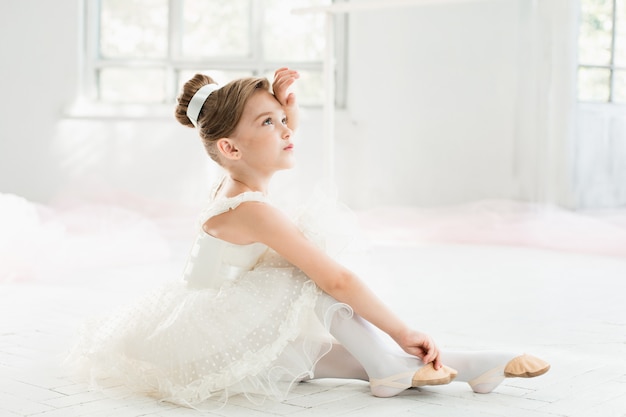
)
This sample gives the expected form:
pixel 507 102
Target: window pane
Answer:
pixel 619 87
pixel 310 88
pixel 222 77
pixel 139 85
pixel 593 84
pixel 136 64
pixel 620 34
pixel 133 28
pixel 595 32
pixel 289 37
pixel 216 28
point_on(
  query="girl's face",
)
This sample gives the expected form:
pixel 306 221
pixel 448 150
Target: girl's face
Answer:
pixel 262 136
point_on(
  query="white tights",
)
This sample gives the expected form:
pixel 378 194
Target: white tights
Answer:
pixel 363 354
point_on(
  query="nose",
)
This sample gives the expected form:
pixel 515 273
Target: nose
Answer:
pixel 287 132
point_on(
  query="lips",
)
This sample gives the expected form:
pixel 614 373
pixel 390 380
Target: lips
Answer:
pixel 288 147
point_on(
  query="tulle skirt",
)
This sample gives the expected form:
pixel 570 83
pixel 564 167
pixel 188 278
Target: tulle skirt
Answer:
pixel 256 335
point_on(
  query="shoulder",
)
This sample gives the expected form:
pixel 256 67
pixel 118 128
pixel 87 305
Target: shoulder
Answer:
pixel 259 215
pixel 247 222
pixel 267 224
pixel 255 221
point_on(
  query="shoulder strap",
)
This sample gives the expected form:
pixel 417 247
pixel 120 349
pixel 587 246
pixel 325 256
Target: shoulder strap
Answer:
pixel 223 204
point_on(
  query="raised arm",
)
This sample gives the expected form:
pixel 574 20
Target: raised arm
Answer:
pixel 264 223
pixel 283 79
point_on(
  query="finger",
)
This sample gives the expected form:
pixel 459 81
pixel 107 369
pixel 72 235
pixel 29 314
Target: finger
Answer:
pixel 289 81
pixel 279 70
pixel 416 349
pixel 281 87
pixel 283 73
pixel 286 76
pixel 286 73
pixel 431 356
pixel 430 352
pixel 437 362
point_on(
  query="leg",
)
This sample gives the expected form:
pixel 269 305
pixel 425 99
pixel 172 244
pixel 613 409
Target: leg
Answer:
pixel 389 370
pixel 339 363
pixel 485 370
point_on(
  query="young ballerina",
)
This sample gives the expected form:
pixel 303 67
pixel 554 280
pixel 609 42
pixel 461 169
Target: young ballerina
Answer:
pixel 262 306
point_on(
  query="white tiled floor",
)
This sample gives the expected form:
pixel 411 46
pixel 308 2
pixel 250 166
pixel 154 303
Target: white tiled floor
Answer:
pixel 567 308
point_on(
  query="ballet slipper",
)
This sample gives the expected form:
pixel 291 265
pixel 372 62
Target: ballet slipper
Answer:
pixel 427 375
pixel 523 366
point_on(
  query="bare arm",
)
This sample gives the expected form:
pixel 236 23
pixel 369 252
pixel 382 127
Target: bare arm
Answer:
pixel 264 223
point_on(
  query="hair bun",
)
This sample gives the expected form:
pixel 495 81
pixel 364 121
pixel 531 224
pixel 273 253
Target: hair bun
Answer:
pixel 189 89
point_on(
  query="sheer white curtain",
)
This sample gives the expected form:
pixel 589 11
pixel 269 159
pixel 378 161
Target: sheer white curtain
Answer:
pixel 547 98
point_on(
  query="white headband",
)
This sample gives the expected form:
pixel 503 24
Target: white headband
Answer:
pixel 197 101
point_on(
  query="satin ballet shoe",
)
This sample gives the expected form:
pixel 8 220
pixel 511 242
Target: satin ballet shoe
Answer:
pixel 523 366
pixel 427 375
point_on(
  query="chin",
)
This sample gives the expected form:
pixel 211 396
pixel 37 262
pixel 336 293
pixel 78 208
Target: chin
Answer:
pixel 289 164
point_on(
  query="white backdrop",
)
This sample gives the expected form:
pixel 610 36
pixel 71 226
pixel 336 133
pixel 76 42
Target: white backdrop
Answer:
pixel 446 104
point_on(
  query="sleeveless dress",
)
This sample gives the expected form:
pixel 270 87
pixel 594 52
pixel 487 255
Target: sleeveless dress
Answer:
pixel 241 321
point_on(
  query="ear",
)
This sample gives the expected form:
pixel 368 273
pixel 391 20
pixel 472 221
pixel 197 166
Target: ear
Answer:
pixel 228 149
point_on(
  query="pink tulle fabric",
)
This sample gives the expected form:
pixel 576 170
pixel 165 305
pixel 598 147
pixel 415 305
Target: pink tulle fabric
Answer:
pixel 501 222
pixel 43 243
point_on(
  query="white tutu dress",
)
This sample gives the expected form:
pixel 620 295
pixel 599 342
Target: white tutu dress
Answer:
pixel 241 321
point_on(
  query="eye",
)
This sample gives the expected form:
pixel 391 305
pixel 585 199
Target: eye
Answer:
pixel 284 121
pixel 268 122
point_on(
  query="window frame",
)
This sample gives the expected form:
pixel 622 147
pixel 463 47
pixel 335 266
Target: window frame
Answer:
pixel 89 105
pixel 611 67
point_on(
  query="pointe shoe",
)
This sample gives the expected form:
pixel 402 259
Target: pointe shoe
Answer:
pixel 525 366
pixel 428 375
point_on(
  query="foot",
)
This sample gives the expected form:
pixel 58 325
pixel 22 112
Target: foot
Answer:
pixel 524 366
pixel 426 375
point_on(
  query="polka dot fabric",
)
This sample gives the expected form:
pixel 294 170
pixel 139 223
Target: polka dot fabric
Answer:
pixel 252 332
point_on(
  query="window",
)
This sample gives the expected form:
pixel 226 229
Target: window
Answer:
pixel 142 51
pixel 602 51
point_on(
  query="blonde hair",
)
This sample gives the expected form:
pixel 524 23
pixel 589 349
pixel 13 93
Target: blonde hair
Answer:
pixel 221 111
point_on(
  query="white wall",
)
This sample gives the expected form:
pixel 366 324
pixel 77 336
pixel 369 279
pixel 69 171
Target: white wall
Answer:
pixel 46 154
pixel 453 103
pixel 432 102
pixel 39 47
pixel 442 108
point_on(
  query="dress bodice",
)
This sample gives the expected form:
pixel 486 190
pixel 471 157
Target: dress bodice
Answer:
pixel 213 261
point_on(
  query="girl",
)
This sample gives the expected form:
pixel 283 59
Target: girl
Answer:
pixel 260 300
